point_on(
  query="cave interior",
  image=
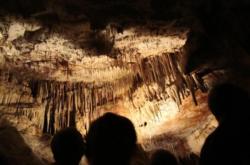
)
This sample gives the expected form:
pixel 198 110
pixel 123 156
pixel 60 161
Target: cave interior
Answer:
pixel 66 62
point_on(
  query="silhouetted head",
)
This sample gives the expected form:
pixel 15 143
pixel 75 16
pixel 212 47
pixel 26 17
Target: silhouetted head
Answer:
pixel 225 100
pixel 68 147
pixel 192 159
pixel 140 156
pixel 111 140
pixel 3 159
pixel 163 157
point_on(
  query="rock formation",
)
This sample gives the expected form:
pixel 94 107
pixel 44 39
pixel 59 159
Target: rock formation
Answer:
pixel 64 63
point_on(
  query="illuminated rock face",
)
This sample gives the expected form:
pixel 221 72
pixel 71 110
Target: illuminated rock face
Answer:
pixel 67 81
pixel 59 81
pixel 60 68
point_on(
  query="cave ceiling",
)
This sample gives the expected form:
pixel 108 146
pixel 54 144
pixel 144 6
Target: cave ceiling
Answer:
pixel 63 63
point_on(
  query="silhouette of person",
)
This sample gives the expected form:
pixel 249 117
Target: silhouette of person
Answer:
pixel 226 99
pixel 111 140
pixel 3 159
pixel 191 159
pixel 68 147
pixel 140 156
pixel 229 143
pixel 13 148
pixel 163 157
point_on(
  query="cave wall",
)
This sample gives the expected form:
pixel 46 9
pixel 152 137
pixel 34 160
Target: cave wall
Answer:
pixel 64 63
pixel 67 81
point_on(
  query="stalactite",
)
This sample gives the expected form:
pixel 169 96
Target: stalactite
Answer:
pixel 64 100
pixel 45 123
pixel 72 114
pixel 34 86
pixel 165 70
pixel 191 88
